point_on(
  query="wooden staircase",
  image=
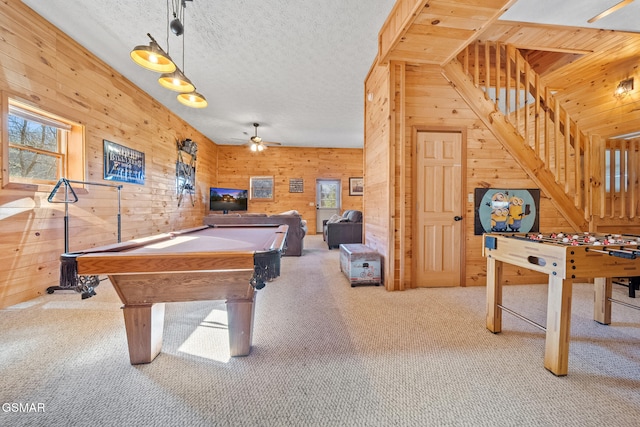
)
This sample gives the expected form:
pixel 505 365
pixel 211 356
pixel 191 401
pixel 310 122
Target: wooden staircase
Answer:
pixel 567 165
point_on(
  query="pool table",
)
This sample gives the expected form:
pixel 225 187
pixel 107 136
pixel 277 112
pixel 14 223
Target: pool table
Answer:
pixel 203 263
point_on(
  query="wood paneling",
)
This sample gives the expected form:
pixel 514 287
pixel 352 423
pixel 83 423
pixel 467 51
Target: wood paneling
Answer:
pixel 380 133
pixel 488 165
pixel 236 164
pixel 47 69
pixel 433 31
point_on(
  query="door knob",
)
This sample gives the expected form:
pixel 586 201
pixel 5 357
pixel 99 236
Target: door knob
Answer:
pixel 457 218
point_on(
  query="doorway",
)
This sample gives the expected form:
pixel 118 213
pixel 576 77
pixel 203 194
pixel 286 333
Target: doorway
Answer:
pixel 438 246
pixel 327 200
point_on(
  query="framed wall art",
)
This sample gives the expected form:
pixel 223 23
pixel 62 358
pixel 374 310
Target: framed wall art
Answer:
pixel 501 210
pixel 261 188
pixel 123 164
pixel 356 186
pixel 296 185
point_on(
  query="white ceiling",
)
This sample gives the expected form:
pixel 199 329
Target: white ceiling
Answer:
pixel 297 67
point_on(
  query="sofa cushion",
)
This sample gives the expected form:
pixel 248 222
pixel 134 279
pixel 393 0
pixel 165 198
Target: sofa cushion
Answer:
pixel 354 216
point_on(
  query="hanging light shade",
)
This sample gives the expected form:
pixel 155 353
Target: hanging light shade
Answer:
pixel 176 81
pixel 153 58
pixel 193 99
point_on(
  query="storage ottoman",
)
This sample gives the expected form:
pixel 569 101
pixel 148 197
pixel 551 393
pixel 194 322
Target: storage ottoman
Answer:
pixel 360 264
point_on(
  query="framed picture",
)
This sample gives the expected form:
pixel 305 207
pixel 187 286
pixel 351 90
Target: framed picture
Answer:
pixel 499 210
pixel 356 186
pixel 261 188
pixel 123 164
pixel 296 185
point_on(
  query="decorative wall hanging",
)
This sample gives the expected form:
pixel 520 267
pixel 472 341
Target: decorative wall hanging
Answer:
pixel 296 185
pixel 123 164
pixel 186 170
pixel 356 186
pixel 261 188
pixel 506 210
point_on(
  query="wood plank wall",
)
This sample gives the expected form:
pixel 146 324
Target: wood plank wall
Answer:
pixel 429 101
pixel 379 188
pixel 236 164
pixel 46 68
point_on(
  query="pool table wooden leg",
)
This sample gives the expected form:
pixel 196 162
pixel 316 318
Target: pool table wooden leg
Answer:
pixel 144 325
pixel 240 314
pixel 556 350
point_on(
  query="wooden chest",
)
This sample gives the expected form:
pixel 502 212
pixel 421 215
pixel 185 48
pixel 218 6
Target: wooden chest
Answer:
pixel 360 264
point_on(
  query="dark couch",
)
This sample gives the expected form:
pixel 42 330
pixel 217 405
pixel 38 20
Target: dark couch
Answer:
pixel 344 229
pixel 295 235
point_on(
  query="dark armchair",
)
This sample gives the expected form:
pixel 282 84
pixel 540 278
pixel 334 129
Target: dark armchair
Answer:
pixel 344 229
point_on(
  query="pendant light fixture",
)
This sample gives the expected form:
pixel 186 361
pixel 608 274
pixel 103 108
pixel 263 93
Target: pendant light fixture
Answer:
pixel 176 81
pixel 155 59
pixel 193 99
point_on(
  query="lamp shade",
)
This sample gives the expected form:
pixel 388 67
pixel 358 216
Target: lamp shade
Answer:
pixel 193 99
pixel 153 58
pixel 176 81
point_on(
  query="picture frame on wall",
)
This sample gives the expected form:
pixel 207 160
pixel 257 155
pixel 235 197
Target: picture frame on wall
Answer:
pixel 123 164
pixel 356 186
pixel 261 188
pixel 506 210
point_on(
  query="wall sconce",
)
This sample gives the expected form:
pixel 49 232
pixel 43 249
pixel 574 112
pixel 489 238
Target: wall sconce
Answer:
pixel 624 88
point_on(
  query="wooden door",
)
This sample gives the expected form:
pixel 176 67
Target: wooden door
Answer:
pixel 438 190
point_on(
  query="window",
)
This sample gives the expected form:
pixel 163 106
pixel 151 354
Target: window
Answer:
pixel 41 148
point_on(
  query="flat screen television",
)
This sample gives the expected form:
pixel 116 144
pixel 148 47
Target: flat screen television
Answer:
pixel 227 199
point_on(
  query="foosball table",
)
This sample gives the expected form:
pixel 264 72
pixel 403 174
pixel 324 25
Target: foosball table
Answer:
pixel 564 258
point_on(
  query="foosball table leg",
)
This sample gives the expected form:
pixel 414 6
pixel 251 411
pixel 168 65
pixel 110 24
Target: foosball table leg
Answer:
pixel 603 288
pixel 634 285
pixel 494 295
pixel 556 351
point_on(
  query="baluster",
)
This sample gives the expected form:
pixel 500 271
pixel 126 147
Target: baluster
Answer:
pixel 567 150
pixel 623 178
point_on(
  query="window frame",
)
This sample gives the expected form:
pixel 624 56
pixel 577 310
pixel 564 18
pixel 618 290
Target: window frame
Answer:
pixel 71 147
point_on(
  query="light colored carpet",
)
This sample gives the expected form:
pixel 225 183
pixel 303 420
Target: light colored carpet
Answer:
pixel 324 354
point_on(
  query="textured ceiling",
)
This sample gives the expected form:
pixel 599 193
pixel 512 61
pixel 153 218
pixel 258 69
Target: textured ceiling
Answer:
pixel 296 67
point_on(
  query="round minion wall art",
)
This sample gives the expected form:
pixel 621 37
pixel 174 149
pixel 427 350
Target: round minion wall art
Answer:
pixel 506 210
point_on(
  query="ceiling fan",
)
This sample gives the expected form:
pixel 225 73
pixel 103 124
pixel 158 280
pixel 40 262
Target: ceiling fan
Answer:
pixel 256 143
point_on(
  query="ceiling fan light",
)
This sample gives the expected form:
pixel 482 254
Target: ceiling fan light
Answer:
pixel 153 58
pixel 254 147
pixel 193 99
pixel 176 81
pixel 260 147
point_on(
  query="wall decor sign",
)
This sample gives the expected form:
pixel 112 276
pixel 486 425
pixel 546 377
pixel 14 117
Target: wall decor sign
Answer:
pixel 296 185
pixel 185 178
pixel 356 186
pixel 506 210
pixel 123 164
pixel 261 188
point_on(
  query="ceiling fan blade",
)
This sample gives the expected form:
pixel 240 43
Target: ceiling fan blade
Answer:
pixel 609 11
pixel 271 143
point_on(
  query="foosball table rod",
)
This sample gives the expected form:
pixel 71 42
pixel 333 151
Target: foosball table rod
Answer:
pixel 521 317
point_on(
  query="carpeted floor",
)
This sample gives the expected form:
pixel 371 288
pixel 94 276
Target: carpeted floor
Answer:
pixel 324 354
